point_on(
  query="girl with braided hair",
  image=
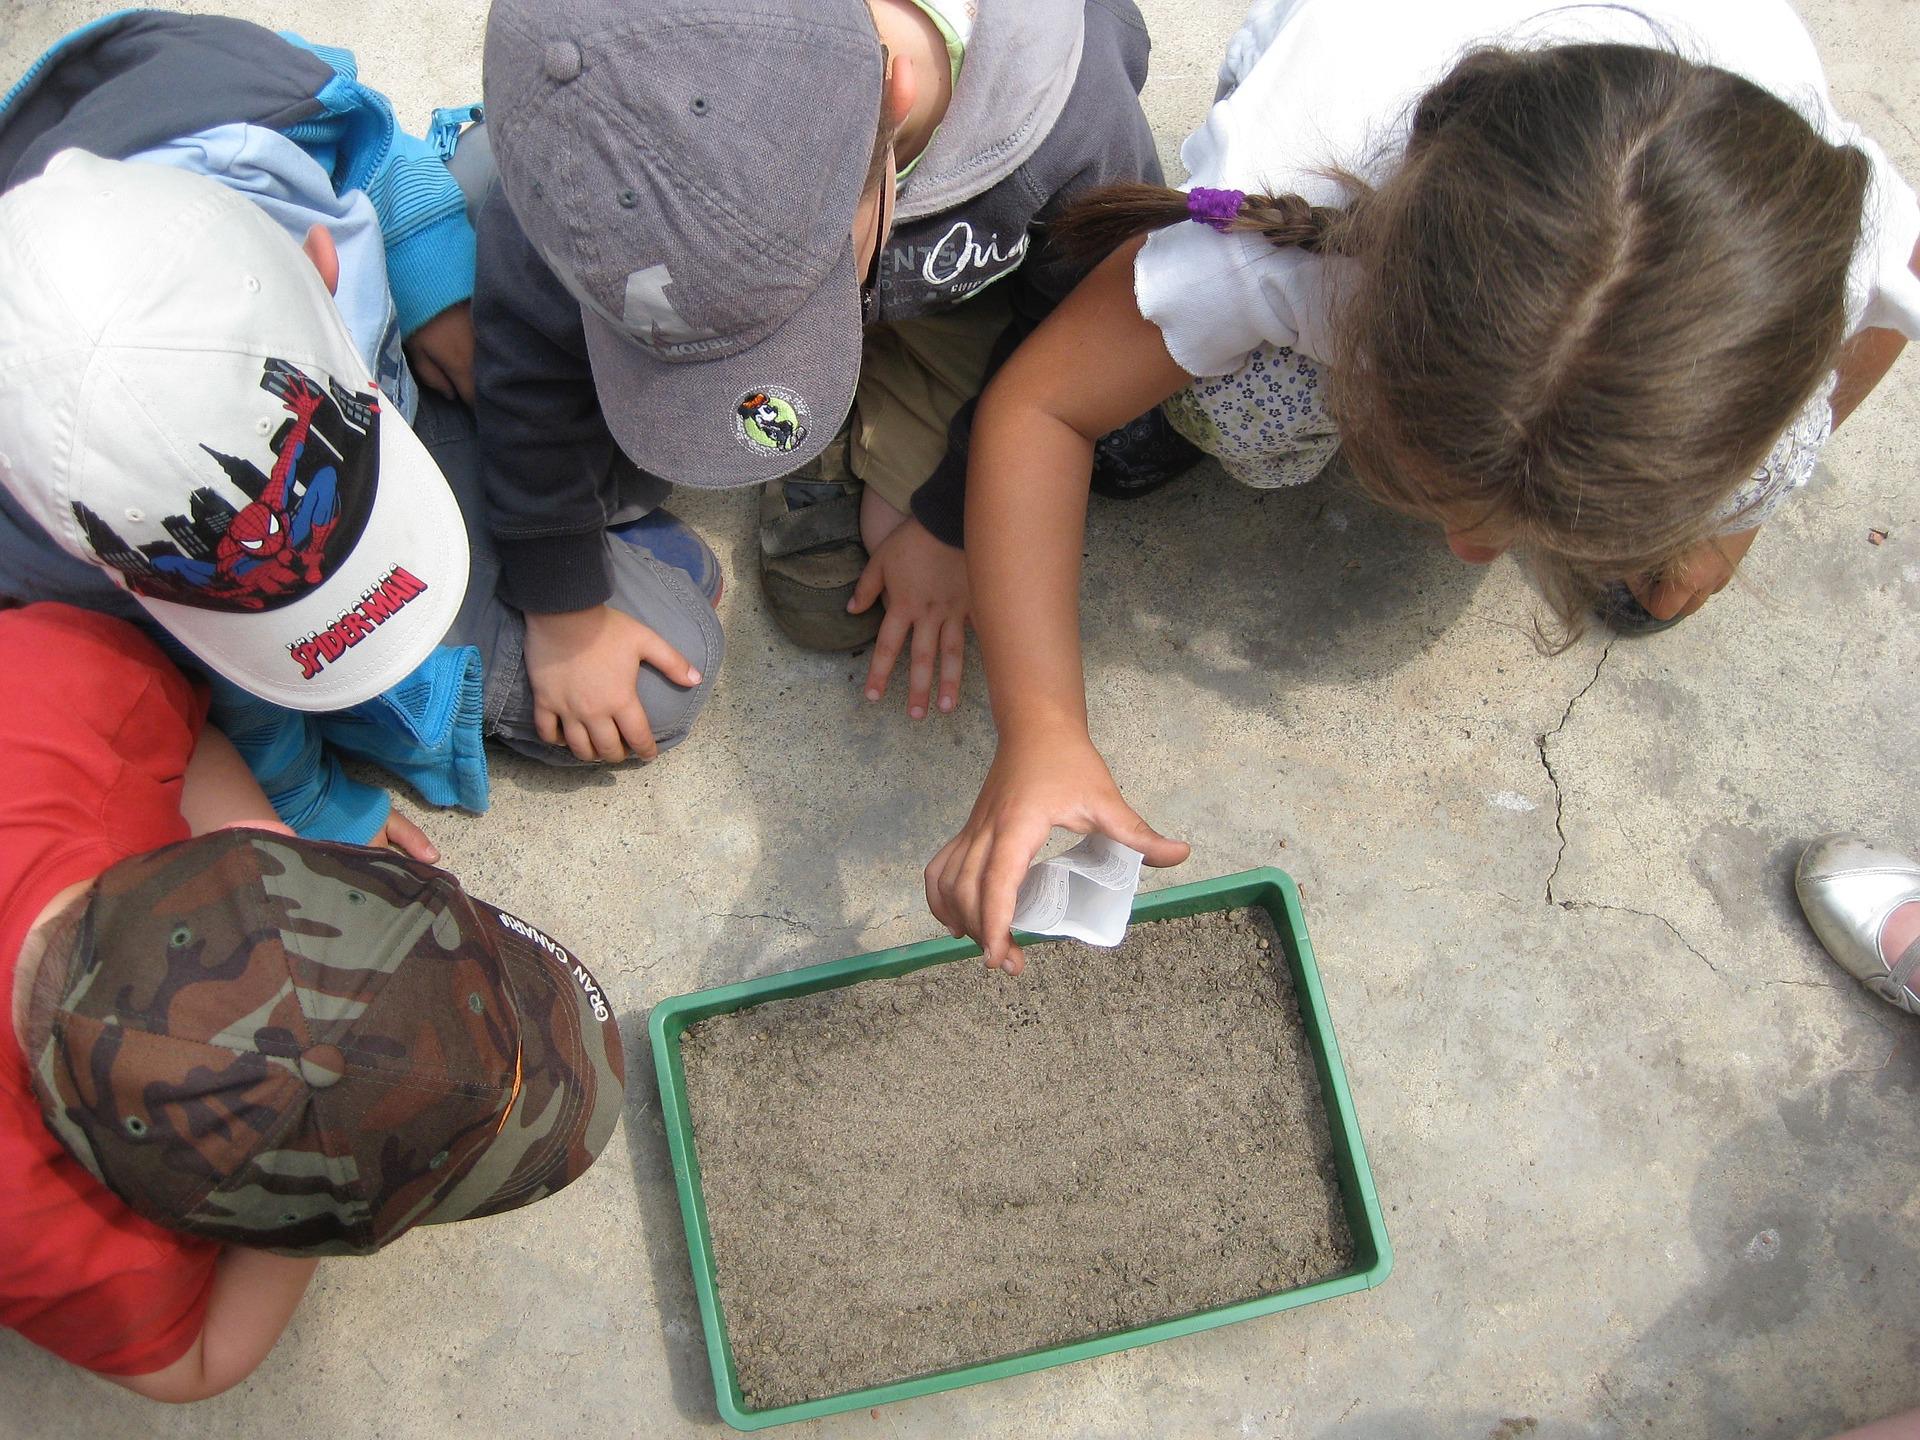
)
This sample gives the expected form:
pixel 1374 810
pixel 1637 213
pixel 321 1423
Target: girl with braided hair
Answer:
pixel 1594 280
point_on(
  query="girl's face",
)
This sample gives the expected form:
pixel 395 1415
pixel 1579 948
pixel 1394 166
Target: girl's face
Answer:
pixel 1476 546
pixel 1472 534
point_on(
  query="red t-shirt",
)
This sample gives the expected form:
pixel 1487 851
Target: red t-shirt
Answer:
pixel 95 733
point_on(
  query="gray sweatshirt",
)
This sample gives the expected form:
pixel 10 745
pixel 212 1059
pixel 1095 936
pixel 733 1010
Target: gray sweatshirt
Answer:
pixel 1046 108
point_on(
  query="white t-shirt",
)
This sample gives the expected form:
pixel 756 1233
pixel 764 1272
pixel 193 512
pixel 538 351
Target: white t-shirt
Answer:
pixel 1312 84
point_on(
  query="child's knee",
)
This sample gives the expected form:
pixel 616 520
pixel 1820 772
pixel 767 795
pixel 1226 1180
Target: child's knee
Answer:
pixel 672 709
pixel 666 601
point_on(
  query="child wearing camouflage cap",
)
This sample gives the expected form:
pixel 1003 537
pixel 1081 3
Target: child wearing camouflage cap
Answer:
pixel 230 1050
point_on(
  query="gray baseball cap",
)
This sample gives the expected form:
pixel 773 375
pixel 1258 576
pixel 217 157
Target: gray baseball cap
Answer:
pixel 690 171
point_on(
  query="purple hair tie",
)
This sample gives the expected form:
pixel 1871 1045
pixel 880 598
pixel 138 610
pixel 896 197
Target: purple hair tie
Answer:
pixel 1216 209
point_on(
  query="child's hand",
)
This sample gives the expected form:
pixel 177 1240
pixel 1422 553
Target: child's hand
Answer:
pixel 1036 783
pixel 400 833
pixel 925 582
pixel 441 352
pixel 1703 572
pixel 583 665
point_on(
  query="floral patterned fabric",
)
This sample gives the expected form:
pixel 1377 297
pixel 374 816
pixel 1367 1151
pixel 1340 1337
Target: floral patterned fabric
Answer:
pixel 1268 426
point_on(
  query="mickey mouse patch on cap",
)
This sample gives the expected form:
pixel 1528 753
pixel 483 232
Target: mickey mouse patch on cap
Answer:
pixel 772 420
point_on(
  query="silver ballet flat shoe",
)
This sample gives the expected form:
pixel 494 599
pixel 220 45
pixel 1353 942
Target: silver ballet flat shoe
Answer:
pixel 1848 887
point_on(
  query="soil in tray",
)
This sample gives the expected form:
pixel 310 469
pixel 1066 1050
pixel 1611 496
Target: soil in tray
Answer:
pixel 908 1175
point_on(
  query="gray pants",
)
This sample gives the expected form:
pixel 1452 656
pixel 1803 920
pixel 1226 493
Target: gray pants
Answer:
pixel 658 596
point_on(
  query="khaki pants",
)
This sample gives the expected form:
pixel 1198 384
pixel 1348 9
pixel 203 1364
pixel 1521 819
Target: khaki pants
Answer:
pixel 914 377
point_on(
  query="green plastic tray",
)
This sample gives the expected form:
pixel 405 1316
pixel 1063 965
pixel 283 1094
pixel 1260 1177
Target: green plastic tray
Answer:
pixel 1270 889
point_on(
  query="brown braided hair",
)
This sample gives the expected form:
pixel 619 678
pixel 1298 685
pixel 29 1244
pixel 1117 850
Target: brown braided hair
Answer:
pixel 1107 218
pixel 1597 286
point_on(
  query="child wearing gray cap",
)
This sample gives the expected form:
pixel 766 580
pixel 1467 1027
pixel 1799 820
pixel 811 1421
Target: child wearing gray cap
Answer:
pixel 785 246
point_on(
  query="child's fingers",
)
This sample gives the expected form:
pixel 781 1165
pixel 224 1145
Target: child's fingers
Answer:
pixel 1664 599
pixel 655 651
pixel 936 900
pixel 953 656
pixel 1001 882
pixel 1123 823
pixel 963 888
pixel 634 727
pixel 546 724
pixel 604 735
pixel 428 372
pixel 942 884
pixel 926 642
pixel 409 839
pixel 867 588
pixel 578 740
pixel 459 375
pixel 1676 599
pixel 886 651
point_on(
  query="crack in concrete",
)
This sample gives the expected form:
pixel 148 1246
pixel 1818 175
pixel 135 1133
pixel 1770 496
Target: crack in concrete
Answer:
pixel 1672 929
pixel 1560 826
pixel 1466 890
pixel 786 920
pixel 795 924
pixel 1546 763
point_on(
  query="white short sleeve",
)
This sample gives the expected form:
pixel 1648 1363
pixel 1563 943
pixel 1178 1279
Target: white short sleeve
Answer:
pixel 1313 84
pixel 1215 297
pixel 1882 290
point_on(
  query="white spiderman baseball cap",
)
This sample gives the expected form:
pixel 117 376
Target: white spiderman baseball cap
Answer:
pixel 182 406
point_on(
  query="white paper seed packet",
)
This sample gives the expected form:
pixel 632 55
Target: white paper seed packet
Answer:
pixel 1086 893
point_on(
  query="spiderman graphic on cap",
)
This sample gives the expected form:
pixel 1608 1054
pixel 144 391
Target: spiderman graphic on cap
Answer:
pixel 297 522
pixel 270 547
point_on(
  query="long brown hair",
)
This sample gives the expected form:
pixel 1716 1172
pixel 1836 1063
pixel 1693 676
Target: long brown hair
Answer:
pixel 1592 294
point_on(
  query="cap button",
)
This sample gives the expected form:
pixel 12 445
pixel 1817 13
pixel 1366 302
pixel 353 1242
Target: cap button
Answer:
pixel 322 1066
pixel 562 59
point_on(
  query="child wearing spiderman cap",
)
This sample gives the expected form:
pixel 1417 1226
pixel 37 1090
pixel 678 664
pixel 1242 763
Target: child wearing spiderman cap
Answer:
pixel 287 130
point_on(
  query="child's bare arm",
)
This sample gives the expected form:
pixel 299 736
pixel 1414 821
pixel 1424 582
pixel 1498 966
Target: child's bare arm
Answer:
pixel 1863 364
pixel 254 1296
pixel 1095 364
pixel 1865 361
pixel 220 791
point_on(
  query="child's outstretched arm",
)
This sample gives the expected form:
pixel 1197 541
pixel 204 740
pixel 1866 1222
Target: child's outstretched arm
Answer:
pixel 219 790
pixel 1094 365
pixel 1864 363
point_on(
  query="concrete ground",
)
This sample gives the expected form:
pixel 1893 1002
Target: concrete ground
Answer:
pixel 1648 1158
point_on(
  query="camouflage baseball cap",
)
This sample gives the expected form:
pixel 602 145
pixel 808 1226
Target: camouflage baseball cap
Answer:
pixel 311 1047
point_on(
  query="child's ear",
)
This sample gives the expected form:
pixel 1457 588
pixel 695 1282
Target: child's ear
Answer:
pixel 326 259
pixel 901 89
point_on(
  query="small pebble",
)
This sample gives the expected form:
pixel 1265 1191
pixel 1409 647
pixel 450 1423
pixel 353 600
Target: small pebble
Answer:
pixel 1265 944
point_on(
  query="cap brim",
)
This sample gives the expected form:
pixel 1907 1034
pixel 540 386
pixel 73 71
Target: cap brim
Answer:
pixel 572 1083
pixel 681 421
pixel 414 535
